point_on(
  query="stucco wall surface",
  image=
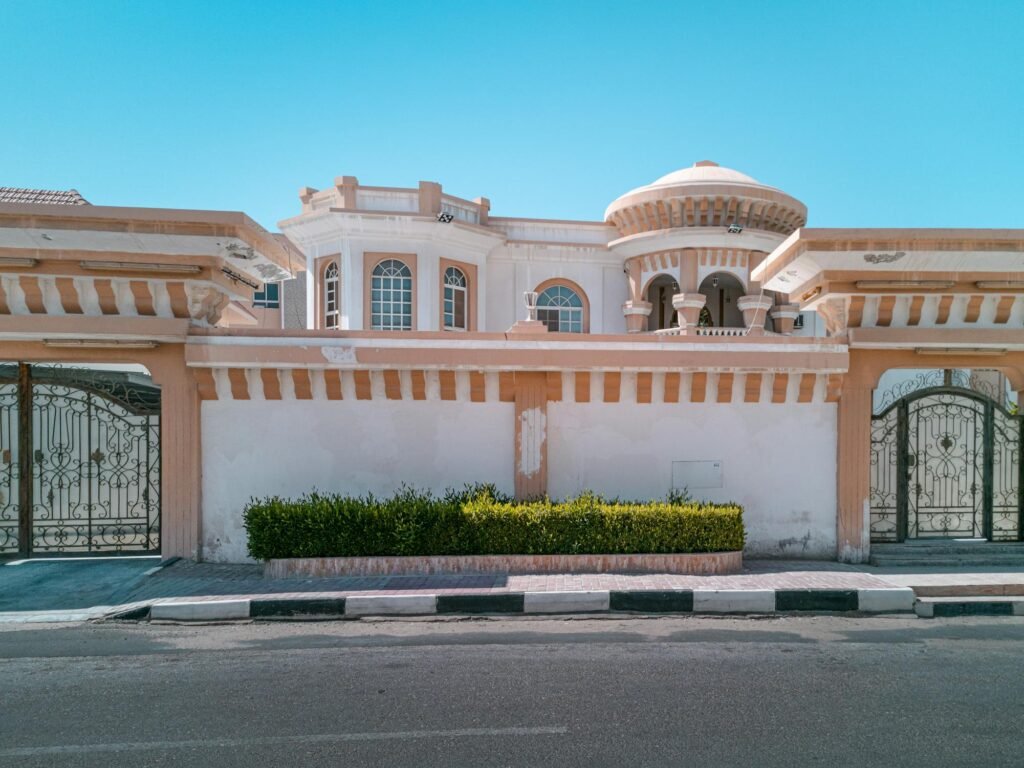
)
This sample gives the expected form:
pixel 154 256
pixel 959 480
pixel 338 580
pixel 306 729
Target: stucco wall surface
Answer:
pixel 287 447
pixel 777 460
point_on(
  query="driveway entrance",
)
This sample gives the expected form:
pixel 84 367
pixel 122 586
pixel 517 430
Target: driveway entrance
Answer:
pixel 79 461
pixel 946 464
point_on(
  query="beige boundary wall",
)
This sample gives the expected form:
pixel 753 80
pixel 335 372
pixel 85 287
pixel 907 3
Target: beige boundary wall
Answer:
pixel 289 414
pixel 785 478
pixel 776 460
pixel 789 422
pixel 288 447
pixel 767 415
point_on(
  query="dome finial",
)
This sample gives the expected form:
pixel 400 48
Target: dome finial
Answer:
pixel 705 163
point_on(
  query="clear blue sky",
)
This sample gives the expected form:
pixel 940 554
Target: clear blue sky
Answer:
pixel 873 113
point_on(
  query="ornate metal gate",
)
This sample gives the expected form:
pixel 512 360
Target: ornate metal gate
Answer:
pixel 946 463
pixel 79 461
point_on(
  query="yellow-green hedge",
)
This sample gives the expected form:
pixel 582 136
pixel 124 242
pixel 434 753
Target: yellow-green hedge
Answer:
pixel 479 522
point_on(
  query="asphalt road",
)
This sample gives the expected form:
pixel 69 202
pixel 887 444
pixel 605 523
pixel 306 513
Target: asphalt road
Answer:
pixel 795 691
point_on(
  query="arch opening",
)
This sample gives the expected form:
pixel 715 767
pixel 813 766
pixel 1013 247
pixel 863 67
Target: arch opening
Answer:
pixel 659 293
pixel 723 291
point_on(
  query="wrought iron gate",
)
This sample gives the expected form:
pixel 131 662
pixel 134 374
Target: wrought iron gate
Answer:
pixel 79 461
pixel 946 463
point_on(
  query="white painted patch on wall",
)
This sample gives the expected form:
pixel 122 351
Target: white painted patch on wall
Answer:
pixel 339 354
pixel 533 424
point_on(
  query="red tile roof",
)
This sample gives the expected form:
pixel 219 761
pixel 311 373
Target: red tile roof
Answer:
pixel 45 196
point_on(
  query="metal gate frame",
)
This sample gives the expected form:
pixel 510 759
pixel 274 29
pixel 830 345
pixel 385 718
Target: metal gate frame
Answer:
pixel 882 439
pixel 102 400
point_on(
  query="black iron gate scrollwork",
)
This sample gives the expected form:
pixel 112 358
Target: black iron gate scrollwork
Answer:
pixel 79 461
pixel 946 463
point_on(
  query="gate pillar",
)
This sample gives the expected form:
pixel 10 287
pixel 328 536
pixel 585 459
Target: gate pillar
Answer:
pixel 854 482
pixel 181 524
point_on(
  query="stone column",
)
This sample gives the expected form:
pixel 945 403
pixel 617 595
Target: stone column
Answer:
pixel 688 307
pixel 181 470
pixel 636 313
pixel 784 316
pixel 755 310
pixel 853 456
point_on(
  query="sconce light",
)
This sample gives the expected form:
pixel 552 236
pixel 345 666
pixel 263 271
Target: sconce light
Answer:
pixel 714 282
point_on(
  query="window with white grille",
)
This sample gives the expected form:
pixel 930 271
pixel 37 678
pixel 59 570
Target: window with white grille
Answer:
pixel 332 299
pixel 454 299
pixel 391 297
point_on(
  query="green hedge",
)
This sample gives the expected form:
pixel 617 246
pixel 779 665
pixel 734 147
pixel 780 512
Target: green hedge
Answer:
pixel 480 522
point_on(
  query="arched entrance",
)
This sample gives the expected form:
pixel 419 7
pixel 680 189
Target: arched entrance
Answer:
pixel 946 463
pixel 80 464
pixel 659 293
pixel 723 291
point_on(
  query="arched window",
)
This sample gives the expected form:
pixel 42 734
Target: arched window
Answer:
pixel 332 300
pixel 454 299
pixel 560 308
pixel 391 297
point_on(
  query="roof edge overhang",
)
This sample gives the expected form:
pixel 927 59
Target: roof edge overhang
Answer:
pixel 805 254
pixel 153 221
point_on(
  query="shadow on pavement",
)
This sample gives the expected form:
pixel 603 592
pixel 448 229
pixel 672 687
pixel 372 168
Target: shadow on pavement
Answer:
pixel 61 585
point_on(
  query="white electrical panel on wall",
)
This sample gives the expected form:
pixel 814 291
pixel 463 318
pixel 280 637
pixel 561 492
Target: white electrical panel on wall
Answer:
pixel 696 474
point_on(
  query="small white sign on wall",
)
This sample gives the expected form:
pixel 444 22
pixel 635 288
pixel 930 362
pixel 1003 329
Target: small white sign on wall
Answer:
pixel 696 474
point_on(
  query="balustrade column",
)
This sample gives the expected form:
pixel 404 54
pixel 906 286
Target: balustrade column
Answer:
pixel 688 307
pixel 636 313
pixel 784 316
pixel 755 311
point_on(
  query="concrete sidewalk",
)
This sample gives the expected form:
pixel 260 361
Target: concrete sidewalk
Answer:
pixel 765 586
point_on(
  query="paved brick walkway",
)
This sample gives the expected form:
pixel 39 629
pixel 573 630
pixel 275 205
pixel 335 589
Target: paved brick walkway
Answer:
pixel 186 579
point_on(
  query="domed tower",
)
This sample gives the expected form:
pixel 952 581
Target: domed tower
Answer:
pixel 688 242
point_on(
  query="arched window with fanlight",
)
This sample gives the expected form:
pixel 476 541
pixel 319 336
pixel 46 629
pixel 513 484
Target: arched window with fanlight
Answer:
pixel 332 296
pixel 455 299
pixel 391 296
pixel 561 309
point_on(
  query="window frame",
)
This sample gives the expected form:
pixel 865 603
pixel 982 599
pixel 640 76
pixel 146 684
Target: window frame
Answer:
pixel 391 276
pixel 567 285
pixel 261 299
pixel 370 262
pixel 331 316
pixel 456 291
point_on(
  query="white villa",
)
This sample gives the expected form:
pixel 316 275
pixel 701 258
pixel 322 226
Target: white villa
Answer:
pixel 376 259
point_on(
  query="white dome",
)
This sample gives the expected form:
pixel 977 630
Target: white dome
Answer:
pixel 704 171
pixel 705 195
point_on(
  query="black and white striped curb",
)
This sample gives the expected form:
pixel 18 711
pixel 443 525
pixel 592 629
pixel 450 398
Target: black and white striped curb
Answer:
pixel 947 607
pixel 708 601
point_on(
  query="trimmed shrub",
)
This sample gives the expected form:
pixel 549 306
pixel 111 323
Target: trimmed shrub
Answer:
pixel 478 521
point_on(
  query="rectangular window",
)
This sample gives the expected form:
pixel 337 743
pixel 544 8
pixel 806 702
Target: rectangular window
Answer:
pixel 269 297
pixel 454 308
